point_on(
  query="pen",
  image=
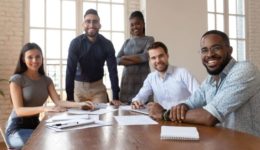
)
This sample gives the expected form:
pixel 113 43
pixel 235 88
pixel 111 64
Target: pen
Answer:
pixel 66 124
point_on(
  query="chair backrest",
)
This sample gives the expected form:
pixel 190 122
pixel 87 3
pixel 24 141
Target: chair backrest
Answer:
pixel 2 130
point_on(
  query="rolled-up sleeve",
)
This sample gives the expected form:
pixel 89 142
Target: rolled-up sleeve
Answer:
pixel 237 88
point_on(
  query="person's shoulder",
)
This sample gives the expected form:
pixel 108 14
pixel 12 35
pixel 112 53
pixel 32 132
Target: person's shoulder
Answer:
pixel 106 43
pixel 17 78
pixel 152 74
pixel 178 69
pixel 103 39
pixel 79 37
pixel 243 70
pixel 181 72
pixel 127 40
pixel 244 66
pixel 149 37
pixel 47 79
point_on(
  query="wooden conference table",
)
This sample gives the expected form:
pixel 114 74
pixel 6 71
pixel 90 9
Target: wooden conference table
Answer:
pixel 137 137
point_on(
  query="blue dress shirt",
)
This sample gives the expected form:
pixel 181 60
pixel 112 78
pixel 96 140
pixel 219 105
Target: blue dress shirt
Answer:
pixel 234 100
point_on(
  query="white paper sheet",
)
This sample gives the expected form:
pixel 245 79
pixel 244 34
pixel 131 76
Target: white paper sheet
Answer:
pixel 95 112
pixel 69 123
pixel 66 116
pixel 97 123
pixel 128 107
pixel 135 120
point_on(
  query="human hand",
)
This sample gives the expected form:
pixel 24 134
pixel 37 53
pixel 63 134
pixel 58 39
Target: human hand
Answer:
pixel 87 105
pixel 178 112
pixel 115 102
pixel 155 110
pixel 136 105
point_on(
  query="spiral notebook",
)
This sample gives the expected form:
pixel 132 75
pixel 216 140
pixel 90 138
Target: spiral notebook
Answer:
pixel 179 133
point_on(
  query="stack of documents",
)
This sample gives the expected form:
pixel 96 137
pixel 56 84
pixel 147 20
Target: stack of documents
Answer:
pixel 66 122
pixel 69 123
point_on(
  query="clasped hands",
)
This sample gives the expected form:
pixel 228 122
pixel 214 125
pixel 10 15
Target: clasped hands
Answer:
pixel 176 113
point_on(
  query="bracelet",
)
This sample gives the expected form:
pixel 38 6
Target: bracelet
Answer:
pixel 163 113
pixel 166 115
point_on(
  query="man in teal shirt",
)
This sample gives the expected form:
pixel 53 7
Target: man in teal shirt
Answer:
pixel 229 97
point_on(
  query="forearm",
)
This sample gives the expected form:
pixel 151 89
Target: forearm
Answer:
pixel 200 116
pixel 69 104
pixel 70 87
pixel 114 82
pixel 130 60
pixel 29 111
pixel 125 62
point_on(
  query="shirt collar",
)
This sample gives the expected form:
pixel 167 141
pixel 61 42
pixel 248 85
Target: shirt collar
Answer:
pixel 86 38
pixel 170 70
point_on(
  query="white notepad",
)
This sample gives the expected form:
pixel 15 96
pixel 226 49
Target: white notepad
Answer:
pixel 179 133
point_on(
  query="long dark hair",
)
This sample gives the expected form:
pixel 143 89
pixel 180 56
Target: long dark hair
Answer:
pixel 21 66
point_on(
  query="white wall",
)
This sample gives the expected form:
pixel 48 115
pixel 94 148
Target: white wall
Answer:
pixel 253 31
pixel 179 24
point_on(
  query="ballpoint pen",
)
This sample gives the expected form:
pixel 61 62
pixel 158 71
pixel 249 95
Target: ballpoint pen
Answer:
pixel 65 125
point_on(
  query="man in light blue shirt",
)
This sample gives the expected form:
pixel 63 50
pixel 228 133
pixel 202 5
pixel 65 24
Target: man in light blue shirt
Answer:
pixel 169 84
pixel 229 97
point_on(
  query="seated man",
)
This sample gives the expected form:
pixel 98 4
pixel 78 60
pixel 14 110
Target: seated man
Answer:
pixel 229 97
pixel 169 84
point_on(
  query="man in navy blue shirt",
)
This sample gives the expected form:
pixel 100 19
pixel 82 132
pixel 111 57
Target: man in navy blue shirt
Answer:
pixel 86 58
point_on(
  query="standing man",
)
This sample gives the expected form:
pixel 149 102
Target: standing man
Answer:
pixel 229 97
pixel 87 55
pixel 169 84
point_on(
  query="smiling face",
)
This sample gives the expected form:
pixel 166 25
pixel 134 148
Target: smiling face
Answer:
pixel 91 25
pixel 158 59
pixel 215 54
pixel 33 59
pixel 136 27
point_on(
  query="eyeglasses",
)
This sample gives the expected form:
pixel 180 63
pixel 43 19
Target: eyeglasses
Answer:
pixel 215 49
pixel 94 22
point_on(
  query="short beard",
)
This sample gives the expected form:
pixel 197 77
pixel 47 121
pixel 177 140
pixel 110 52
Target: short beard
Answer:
pixel 164 70
pixel 92 35
pixel 220 69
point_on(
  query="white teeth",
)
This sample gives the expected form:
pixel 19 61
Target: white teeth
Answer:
pixel 212 62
